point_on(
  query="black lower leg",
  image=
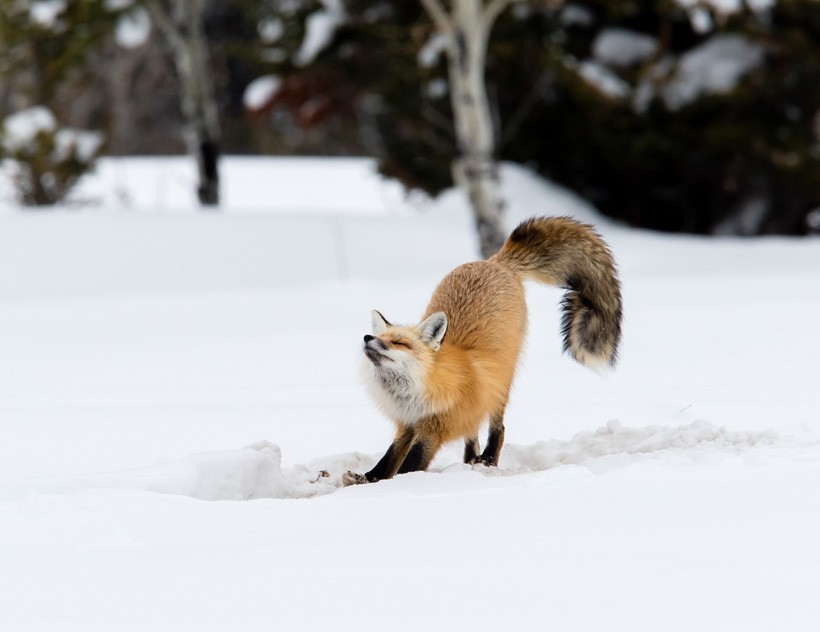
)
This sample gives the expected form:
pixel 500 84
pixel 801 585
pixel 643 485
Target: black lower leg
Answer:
pixel 381 469
pixel 420 455
pixel 495 439
pixel 470 449
pixel 388 465
pixel 413 461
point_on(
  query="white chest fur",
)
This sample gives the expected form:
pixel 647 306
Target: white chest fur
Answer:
pixel 398 389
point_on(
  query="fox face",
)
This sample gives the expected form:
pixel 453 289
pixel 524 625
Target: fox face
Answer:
pixel 399 358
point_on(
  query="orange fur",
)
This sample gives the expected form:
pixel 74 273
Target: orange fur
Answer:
pixel 443 378
pixel 473 372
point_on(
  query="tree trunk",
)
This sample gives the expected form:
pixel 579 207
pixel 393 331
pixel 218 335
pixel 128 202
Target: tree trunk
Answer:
pixel 182 25
pixel 476 170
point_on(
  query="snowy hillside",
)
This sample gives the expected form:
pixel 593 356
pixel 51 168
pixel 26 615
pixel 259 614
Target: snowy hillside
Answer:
pixel 154 358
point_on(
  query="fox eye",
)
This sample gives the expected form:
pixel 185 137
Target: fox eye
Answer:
pixel 400 343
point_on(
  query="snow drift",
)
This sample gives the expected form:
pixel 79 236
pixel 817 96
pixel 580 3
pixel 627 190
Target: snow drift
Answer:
pixel 256 471
pixel 142 342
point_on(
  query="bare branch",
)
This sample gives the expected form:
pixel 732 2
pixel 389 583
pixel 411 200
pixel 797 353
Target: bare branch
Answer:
pixel 488 18
pixel 164 21
pixel 438 120
pixel 492 12
pixel 516 119
pixel 439 15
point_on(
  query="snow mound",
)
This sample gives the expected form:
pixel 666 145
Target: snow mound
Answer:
pixel 528 194
pixel 256 471
pixel 82 143
pixel 20 129
pixel 252 472
pixel 604 80
pixel 46 13
pixel 133 29
pixel 432 50
pixel 320 28
pixel 622 47
pixel 614 446
pixel 260 92
pixel 714 67
pixel 245 474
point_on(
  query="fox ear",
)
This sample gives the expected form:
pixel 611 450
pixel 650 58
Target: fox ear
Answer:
pixel 379 322
pixel 433 328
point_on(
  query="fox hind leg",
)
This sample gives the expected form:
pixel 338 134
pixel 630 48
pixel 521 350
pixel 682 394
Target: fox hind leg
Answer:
pixel 470 449
pixel 495 439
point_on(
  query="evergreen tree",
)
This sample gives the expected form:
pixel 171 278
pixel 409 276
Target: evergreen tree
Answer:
pixel 673 117
pixel 45 46
pixel 709 127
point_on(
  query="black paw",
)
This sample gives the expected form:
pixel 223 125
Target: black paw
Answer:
pixel 351 478
pixel 484 459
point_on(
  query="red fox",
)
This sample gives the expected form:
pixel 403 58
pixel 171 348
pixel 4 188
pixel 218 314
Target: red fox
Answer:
pixel 441 379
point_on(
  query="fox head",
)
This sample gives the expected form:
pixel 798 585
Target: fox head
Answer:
pixel 399 359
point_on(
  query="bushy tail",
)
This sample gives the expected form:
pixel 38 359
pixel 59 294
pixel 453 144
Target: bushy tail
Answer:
pixel 563 252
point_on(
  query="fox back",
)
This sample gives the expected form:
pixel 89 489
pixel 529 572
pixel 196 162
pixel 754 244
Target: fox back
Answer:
pixel 441 379
pixel 460 360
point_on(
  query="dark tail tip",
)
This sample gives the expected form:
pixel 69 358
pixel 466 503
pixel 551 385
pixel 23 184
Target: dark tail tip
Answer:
pixel 591 329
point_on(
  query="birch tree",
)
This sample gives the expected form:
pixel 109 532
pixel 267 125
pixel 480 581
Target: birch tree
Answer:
pixel 182 24
pixel 467 27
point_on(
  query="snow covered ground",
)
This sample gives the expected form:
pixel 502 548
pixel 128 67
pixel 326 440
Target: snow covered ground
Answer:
pixel 155 359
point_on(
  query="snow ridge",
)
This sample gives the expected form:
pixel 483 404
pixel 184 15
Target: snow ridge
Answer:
pixel 614 446
pixel 256 471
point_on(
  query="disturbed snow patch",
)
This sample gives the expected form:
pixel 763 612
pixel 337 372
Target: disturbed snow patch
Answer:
pixel 256 471
pixel 613 446
pixel 252 472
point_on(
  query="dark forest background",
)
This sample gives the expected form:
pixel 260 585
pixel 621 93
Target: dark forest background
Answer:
pixel 619 101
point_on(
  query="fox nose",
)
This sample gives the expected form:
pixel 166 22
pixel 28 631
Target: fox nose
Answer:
pixel 368 338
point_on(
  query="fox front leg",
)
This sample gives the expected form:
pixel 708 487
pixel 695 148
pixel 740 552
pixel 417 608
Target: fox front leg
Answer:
pixel 388 465
pixel 419 457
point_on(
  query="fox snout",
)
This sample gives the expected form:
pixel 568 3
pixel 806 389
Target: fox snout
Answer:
pixel 373 348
